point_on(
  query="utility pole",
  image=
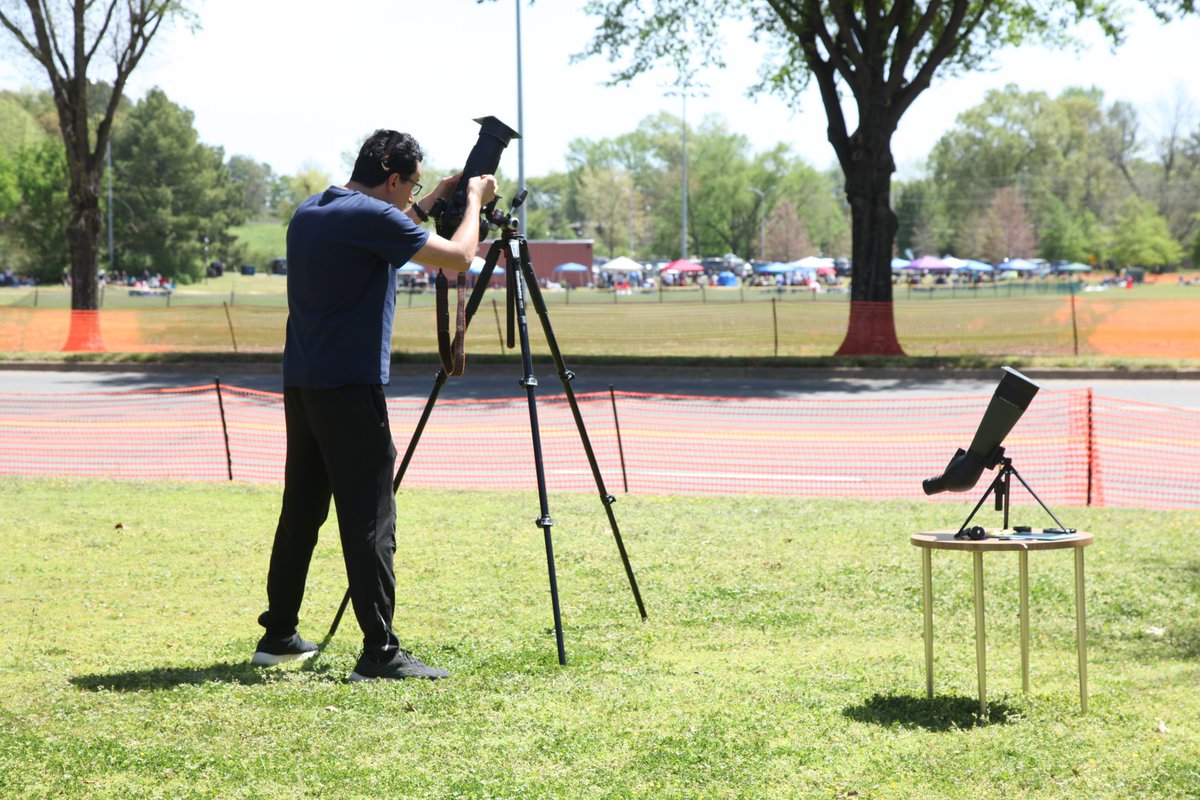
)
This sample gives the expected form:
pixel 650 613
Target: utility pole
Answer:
pixel 762 229
pixel 520 122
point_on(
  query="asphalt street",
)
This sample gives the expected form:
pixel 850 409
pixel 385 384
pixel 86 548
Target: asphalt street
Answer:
pixel 486 381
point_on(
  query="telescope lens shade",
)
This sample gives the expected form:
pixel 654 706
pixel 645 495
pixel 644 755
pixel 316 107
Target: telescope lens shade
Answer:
pixel 1012 396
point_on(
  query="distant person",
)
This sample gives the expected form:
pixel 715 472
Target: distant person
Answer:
pixel 343 248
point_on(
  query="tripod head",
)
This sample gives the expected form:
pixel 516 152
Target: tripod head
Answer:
pixel 507 222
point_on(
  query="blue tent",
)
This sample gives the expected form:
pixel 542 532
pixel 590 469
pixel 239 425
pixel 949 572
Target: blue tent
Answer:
pixel 727 278
pixel 572 266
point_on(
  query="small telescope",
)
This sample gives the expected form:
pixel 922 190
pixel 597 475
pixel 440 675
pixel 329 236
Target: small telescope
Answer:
pixel 484 159
pixel 1009 402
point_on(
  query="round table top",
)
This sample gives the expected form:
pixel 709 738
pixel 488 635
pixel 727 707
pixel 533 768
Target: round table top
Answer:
pixel 998 539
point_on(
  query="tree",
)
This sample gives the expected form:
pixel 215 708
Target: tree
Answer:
pixel 1003 231
pixel 172 191
pixel 67 39
pixel 1141 237
pixel 255 183
pixel 295 189
pixel 1065 236
pixel 787 237
pixel 885 53
pixel 35 222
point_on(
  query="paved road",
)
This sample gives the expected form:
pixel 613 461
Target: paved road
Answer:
pixel 1181 390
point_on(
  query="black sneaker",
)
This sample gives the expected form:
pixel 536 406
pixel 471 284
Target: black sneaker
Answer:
pixel 271 652
pixel 402 665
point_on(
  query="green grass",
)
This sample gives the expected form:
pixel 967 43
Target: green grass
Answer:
pixel 782 657
pixel 263 241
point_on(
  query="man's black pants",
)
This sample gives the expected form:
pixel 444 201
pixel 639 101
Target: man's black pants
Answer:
pixel 338 443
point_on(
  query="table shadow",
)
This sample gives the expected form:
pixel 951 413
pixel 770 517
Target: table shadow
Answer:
pixel 942 713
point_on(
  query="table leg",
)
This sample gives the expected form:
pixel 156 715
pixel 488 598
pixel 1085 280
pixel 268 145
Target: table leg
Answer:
pixel 1024 588
pixel 1081 629
pixel 980 636
pixel 927 597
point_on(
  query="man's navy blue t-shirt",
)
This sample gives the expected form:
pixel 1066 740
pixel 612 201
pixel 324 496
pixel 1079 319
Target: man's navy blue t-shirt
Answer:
pixel 342 247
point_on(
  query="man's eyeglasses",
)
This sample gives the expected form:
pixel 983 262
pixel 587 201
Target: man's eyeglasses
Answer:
pixel 416 187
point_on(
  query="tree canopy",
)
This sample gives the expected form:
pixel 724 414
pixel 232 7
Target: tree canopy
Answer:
pixel 884 54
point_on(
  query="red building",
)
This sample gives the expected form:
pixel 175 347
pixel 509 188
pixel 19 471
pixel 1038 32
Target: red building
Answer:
pixel 546 254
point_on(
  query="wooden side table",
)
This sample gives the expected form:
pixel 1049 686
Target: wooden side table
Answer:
pixel 1003 541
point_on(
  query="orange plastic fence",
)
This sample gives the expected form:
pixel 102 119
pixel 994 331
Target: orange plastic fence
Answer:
pixel 1072 448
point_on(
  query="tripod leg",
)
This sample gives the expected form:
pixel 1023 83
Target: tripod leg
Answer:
pixel 566 376
pixel 439 381
pixel 516 282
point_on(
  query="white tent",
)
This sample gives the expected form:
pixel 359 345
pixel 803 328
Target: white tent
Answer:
pixel 621 264
pixel 812 262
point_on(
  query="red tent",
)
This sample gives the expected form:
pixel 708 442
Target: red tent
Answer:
pixel 682 265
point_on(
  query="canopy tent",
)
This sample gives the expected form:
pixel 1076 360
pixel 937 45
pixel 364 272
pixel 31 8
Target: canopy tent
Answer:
pixel 777 268
pixel 1074 266
pixel 899 264
pixel 476 265
pixel 411 268
pixel 582 273
pixel 813 262
pixel 727 278
pixel 621 264
pixel 1017 265
pixel 682 265
pixel 971 265
pixel 953 263
pixel 930 263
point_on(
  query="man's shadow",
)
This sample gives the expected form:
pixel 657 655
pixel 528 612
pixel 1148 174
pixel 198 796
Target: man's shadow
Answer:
pixel 942 713
pixel 160 678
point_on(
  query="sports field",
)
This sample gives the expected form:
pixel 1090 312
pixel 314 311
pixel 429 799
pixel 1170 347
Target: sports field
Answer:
pixel 1157 322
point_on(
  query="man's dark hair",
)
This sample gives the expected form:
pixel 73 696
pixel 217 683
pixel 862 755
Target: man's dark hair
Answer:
pixel 383 153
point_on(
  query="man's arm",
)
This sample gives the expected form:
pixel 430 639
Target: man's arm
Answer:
pixel 457 252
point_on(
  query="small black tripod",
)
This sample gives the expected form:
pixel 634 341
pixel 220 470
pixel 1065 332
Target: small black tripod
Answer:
pixel 520 280
pixel 1001 486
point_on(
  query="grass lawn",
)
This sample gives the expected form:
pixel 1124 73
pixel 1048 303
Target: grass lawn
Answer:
pixel 782 657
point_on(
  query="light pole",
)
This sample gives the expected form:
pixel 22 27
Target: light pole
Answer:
pixel 520 121
pixel 684 87
pixel 762 230
pixel 683 248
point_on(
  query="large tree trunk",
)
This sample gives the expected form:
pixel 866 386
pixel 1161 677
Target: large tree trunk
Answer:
pixel 868 170
pixel 83 242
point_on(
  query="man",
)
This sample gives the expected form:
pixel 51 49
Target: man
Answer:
pixel 343 248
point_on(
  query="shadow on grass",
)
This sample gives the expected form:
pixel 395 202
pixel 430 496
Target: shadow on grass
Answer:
pixel 159 678
pixel 939 714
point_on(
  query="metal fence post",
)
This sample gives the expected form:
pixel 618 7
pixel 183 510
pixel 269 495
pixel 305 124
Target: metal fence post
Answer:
pixel 224 427
pixel 775 323
pixel 229 319
pixel 620 447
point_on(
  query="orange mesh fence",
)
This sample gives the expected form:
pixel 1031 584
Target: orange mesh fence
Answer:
pixel 1145 455
pixel 172 434
pixel 1073 449
pixel 1101 323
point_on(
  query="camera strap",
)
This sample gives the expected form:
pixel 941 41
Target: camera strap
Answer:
pixel 451 354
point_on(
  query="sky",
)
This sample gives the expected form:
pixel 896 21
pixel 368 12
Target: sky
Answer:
pixel 298 84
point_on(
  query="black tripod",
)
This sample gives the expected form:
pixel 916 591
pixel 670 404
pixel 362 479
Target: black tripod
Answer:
pixel 1001 486
pixel 520 279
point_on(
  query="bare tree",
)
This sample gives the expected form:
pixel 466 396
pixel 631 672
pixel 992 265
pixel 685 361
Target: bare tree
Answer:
pixel 69 39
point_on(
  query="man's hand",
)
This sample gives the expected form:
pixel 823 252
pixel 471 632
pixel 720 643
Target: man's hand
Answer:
pixel 446 187
pixel 483 187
